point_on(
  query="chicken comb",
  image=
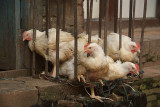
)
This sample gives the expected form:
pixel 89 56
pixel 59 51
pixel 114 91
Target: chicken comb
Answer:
pixel 137 67
pixel 138 45
pixel 85 46
pixel 23 33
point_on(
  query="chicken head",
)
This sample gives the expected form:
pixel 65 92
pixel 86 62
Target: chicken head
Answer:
pixel 134 69
pixel 135 47
pixel 92 48
pixel 27 36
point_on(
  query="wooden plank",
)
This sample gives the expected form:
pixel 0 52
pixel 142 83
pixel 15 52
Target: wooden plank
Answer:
pixel 15 73
pixel 7 34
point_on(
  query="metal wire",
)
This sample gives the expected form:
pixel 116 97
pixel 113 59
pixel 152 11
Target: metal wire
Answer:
pixel 100 17
pixel 115 16
pixel 34 38
pixel 87 24
pixel 47 27
pixel 130 19
pixel 120 24
pixel 106 26
pixel 64 14
pixel 75 40
pixel 57 37
pixel 142 32
pixel 133 19
pixel 90 21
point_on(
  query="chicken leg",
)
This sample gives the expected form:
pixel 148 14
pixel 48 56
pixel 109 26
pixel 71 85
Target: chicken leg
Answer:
pixel 54 72
pixel 93 95
pixel 101 82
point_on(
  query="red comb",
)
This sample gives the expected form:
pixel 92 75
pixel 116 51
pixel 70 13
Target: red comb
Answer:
pixel 23 33
pixel 137 67
pixel 85 46
pixel 138 45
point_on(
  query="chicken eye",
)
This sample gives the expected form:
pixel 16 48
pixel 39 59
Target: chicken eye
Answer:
pixel 89 47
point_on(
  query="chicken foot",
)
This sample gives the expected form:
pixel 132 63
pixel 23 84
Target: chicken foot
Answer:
pixel 79 77
pixel 101 82
pixel 93 95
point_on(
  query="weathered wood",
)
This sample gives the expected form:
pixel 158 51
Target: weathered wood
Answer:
pixel 15 73
pixel 27 24
pixel 7 35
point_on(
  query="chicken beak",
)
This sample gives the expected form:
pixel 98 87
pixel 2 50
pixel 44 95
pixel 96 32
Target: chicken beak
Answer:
pixel 85 50
pixel 137 73
pixel 23 35
pixel 138 51
pixel 24 39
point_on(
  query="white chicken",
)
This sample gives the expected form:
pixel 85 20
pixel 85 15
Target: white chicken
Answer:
pixel 66 45
pixel 95 63
pixel 100 66
pixel 129 49
pixel 67 68
pixel 65 49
